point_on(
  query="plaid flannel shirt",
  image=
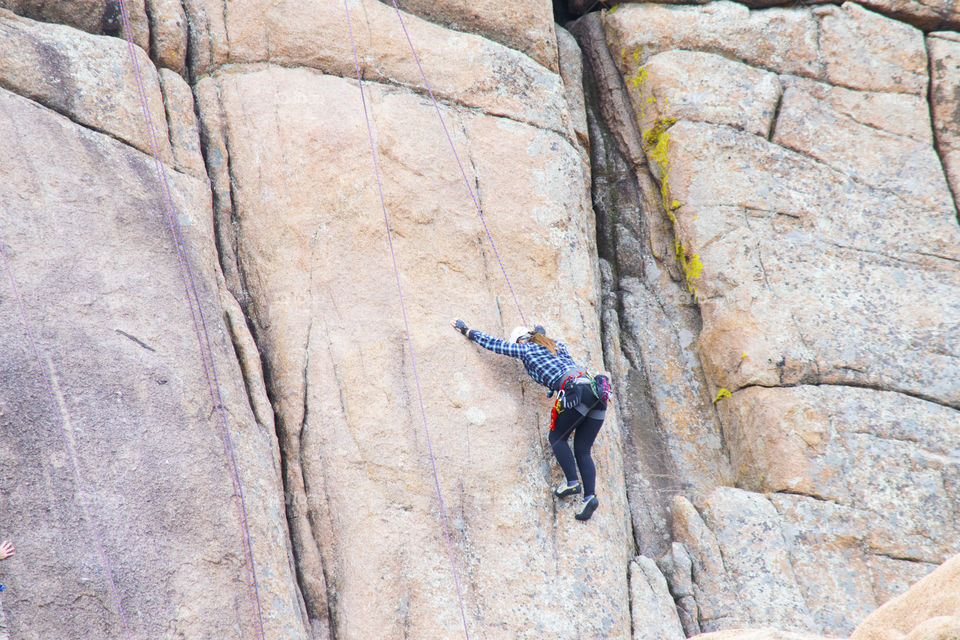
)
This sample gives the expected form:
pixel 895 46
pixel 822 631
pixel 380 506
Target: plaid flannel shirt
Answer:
pixel 544 367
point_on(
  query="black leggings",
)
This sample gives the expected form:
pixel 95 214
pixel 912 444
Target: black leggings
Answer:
pixel 584 435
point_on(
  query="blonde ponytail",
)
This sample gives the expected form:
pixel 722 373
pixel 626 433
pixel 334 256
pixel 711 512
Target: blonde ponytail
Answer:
pixel 544 341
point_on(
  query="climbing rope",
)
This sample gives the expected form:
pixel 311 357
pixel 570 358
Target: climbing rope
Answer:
pixel 466 181
pixel 75 466
pixel 199 324
pixel 406 326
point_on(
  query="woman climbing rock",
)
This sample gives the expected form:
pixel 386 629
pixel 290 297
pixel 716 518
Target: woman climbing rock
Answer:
pixel 579 409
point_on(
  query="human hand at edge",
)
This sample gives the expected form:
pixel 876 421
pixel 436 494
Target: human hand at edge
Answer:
pixel 6 550
pixel 459 325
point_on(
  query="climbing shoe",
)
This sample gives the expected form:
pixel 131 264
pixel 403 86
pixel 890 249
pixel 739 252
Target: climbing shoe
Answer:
pixel 565 490
pixel 587 507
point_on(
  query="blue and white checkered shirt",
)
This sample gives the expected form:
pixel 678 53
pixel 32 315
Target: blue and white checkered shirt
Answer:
pixel 544 367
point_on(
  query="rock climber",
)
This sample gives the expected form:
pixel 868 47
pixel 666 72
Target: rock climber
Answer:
pixel 579 410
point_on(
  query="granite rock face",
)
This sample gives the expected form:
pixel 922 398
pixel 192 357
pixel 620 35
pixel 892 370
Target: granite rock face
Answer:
pixel 123 377
pixel 746 215
pixel 804 181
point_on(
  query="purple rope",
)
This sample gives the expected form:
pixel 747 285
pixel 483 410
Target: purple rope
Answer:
pixel 466 181
pixel 406 326
pixel 81 494
pixel 199 324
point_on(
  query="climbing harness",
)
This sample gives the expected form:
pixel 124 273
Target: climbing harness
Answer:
pixel 199 325
pixel 67 443
pixel 571 395
pixel 403 310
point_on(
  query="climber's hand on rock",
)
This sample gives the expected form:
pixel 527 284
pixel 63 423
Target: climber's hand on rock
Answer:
pixel 6 550
pixel 459 325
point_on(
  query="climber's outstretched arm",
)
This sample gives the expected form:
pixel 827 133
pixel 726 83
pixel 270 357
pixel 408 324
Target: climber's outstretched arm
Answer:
pixel 512 349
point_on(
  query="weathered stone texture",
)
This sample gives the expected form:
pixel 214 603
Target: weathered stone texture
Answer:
pixel 928 611
pixel 182 124
pixel 168 34
pixel 94 260
pixel 692 85
pixel 817 232
pixel 654 612
pixel 335 417
pixel 524 26
pixel 944 51
pixel 87 78
pixel 760 634
pixel 461 67
pixel 100 17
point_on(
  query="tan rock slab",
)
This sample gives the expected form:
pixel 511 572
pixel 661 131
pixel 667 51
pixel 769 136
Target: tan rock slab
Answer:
pixel 460 67
pixel 894 456
pixel 939 628
pixel 715 594
pixel 742 201
pixel 864 50
pixel 936 596
pixel 757 559
pixel 759 634
pixel 944 50
pixel 902 114
pixel 87 78
pixel 779 40
pixel 94 260
pixel 938 14
pixel 524 26
pixel 902 166
pixel 571 70
pixel 183 126
pixel 320 274
pixel 168 34
pixel 692 85
pixel 654 612
pixel 99 17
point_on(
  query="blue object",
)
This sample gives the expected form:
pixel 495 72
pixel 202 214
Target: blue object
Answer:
pixel 2 588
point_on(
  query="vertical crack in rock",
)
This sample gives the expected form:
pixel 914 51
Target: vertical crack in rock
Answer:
pixel 776 115
pixel 307 560
pixel 931 99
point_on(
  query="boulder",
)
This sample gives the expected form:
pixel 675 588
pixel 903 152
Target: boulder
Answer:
pixel 654 613
pixel 928 611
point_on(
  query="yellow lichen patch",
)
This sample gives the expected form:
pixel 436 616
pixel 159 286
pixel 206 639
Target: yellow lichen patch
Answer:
pixel 691 264
pixel 655 142
pixel 723 393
